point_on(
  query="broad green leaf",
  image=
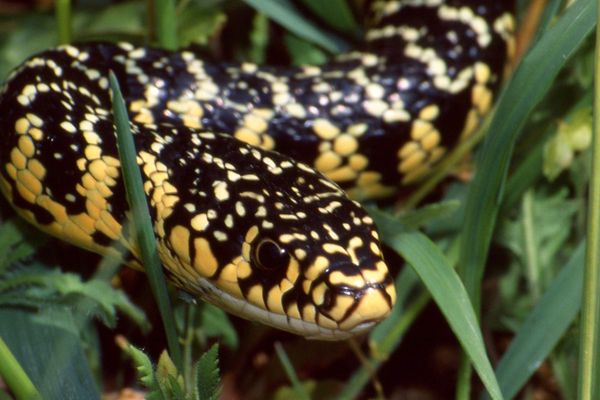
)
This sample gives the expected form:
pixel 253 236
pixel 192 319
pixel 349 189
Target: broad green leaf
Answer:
pixel 52 356
pixel 39 287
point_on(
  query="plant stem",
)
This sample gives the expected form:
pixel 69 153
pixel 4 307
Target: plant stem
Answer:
pixel 533 267
pixel 589 351
pixel 291 373
pixel 14 375
pixel 62 10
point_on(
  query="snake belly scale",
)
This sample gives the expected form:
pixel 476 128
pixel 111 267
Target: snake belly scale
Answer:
pixel 230 153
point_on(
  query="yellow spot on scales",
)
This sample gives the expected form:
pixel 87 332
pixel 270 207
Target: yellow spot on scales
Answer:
pixel 320 264
pixel 18 159
pixel 180 242
pixel 199 222
pixel 248 136
pixel 36 168
pixel 26 146
pixel 372 306
pixel 327 161
pixel 205 261
pixel 22 126
pixel 255 296
pixel 411 162
pixel 342 174
pixel 345 145
pixel 340 307
pixel 274 300
pixel 244 270
pixel 318 293
pixel 325 129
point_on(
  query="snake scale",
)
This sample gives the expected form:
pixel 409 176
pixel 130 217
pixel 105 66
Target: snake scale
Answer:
pixel 229 155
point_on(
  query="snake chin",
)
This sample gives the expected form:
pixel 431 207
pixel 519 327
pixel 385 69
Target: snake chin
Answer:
pixel 207 291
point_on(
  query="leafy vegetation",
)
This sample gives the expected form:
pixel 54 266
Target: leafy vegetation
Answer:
pixel 516 234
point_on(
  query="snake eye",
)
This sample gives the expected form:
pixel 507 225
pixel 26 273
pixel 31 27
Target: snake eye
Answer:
pixel 269 255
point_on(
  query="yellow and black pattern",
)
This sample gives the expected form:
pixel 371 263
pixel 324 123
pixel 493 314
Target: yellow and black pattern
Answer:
pixel 258 233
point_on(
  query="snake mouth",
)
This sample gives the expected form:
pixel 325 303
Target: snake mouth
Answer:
pixel 367 311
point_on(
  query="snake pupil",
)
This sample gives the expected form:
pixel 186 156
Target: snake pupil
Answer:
pixel 269 255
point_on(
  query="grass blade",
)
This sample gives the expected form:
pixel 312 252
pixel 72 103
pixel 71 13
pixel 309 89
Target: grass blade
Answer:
pixel 141 219
pixel 286 14
pixel 589 345
pixel 448 292
pixel 524 91
pixel 529 84
pixel 166 26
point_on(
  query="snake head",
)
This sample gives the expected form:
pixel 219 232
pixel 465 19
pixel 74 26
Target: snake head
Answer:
pixel 271 240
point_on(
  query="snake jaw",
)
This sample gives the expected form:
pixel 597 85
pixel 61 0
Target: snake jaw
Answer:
pixel 372 305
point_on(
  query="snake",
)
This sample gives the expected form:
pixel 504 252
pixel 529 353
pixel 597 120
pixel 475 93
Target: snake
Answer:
pixel 253 173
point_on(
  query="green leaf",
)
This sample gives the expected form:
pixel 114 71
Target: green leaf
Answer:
pixel 168 378
pixel 143 366
pixel 37 287
pixel 286 14
pixel 419 218
pixel 543 327
pixel 446 289
pixel 198 23
pixel 216 323
pixel 17 241
pixel 259 39
pixel 51 355
pixel 207 375
pixel 572 136
pixel 124 19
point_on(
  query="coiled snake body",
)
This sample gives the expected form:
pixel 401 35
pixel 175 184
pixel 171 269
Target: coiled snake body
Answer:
pixel 258 233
